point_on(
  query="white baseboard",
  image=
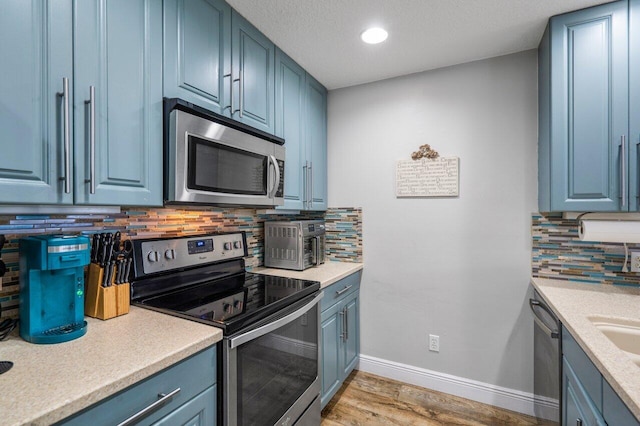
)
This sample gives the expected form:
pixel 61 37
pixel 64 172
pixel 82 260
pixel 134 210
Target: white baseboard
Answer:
pixel 510 399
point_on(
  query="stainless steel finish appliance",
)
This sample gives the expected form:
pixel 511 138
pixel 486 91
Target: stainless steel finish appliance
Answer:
pixel 294 245
pixel 210 159
pixel 547 373
pixel 269 355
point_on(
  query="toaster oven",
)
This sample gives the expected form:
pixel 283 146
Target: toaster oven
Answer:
pixel 296 245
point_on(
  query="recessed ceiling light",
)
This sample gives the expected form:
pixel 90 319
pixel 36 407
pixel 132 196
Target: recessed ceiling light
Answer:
pixel 374 35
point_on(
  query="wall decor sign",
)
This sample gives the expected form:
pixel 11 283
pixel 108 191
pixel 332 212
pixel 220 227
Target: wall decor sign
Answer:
pixel 428 178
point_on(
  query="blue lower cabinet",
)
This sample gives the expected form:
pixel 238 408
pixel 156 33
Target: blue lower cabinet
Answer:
pixel 578 408
pixel 187 391
pixel 340 328
pixel 587 398
pixel 614 411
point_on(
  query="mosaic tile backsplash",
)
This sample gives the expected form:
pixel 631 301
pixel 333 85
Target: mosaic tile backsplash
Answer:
pixel 344 233
pixel 558 253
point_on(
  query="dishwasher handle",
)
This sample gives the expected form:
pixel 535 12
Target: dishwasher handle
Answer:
pixel 555 334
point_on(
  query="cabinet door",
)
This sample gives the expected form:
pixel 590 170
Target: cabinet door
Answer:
pixel 316 128
pixel 289 116
pixel 197 53
pixel 118 52
pixel 252 56
pixel 577 407
pixel 352 340
pixel 36 51
pixel 332 347
pixel 634 105
pixel 589 109
pixel 200 411
pixel 614 411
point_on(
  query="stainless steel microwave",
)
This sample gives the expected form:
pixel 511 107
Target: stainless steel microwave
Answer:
pixel 210 159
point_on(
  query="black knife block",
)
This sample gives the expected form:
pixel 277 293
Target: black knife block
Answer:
pixel 105 302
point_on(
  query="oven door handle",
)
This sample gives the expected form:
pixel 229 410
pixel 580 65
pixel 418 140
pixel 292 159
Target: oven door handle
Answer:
pixel 268 328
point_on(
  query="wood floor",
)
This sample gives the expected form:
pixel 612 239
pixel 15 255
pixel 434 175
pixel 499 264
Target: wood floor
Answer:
pixel 366 399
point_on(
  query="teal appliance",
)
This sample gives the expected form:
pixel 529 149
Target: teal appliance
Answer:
pixel 52 287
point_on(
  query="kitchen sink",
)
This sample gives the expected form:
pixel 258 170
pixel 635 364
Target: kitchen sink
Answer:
pixel 624 333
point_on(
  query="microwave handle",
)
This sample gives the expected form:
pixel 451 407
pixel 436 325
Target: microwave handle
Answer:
pixel 276 182
pixel 314 250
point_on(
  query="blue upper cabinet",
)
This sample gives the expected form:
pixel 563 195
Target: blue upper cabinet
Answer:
pixel 634 105
pixel 252 58
pixel 197 53
pixel 36 52
pixel 118 102
pixel 65 145
pixel 289 124
pixel 583 117
pixel 316 134
pixel 301 119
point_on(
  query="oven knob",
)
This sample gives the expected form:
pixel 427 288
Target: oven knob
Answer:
pixel 237 245
pixel 227 246
pixel 237 305
pixel 170 254
pixel 152 256
pixel 227 308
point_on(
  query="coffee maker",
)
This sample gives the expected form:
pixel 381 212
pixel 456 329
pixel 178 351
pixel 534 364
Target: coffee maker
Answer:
pixel 52 287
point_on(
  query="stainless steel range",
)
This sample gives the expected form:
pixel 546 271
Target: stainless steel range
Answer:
pixel 270 350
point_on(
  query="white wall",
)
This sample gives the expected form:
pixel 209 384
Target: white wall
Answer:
pixel 455 267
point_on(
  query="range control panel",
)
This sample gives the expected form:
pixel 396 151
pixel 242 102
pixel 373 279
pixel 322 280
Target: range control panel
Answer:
pixel 176 253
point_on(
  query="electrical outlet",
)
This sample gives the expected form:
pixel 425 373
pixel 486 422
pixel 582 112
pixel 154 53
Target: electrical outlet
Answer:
pixel 434 343
pixel 635 261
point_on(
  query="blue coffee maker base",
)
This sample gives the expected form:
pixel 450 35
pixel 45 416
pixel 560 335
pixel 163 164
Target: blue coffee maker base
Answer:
pixel 58 334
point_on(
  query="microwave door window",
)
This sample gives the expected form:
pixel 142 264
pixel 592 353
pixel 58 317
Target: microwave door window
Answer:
pixel 215 167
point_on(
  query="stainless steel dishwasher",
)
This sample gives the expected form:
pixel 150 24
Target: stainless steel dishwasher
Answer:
pixel 547 367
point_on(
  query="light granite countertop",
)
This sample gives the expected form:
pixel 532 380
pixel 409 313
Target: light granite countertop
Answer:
pixel 50 382
pixel 327 273
pixel 574 303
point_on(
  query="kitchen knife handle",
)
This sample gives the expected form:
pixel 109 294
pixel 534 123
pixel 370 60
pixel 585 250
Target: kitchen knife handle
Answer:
pixel 164 399
pixel 67 135
pixel 92 139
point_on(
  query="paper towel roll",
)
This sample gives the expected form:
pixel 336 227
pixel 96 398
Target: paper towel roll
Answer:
pixel 610 231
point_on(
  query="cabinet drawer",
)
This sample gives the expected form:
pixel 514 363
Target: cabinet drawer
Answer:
pixel 192 376
pixel 590 377
pixel 340 290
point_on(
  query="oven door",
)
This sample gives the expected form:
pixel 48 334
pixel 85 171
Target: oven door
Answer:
pixel 270 373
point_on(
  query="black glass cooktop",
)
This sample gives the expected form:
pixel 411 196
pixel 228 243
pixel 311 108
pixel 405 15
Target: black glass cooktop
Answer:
pixel 233 302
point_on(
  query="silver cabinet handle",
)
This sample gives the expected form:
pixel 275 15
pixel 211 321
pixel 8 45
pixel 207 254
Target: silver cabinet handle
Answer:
pixel 164 399
pixel 307 188
pixel 67 135
pixel 240 92
pixel 230 92
pixel 311 184
pixel 341 313
pixel 623 170
pixel 344 290
pixel 92 139
pixel 346 323
pixel 305 176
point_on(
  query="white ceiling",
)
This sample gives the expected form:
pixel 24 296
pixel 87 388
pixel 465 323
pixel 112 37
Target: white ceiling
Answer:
pixel 323 36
